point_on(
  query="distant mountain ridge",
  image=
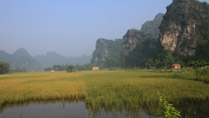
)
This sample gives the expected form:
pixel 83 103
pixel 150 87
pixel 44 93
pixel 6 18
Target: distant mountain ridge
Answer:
pixel 22 52
pixel 53 58
pixel 21 58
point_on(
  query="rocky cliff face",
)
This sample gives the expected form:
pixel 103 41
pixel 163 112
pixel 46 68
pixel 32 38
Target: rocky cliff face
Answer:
pixel 152 27
pixel 184 29
pixel 180 25
pixel 130 40
pixel 149 30
pixel 111 53
pixel 107 53
pixel 137 48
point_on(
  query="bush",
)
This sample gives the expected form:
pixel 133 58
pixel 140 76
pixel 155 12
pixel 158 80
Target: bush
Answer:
pixel 167 110
pixel 203 74
pixel 203 71
pixel 4 67
pixel 186 73
pixel 198 74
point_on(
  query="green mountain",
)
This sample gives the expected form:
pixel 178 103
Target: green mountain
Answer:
pixel 128 51
pixel 185 28
pixel 107 53
pixel 4 56
pixel 138 47
pixel 183 38
pixel 152 27
pixel 53 58
pixel 21 59
pixel 84 59
pixel 179 36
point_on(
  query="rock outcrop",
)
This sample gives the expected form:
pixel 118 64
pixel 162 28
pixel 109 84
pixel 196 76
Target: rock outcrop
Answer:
pixel 149 30
pixel 179 31
pixel 111 53
pixel 137 48
pixel 130 40
pixel 182 31
pixel 107 53
pixel 152 27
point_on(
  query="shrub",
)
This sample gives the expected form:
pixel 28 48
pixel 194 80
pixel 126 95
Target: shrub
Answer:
pixel 4 67
pixel 186 73
pixel 167 110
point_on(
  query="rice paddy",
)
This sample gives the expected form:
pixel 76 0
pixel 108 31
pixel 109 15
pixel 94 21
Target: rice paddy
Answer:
pixel 108 90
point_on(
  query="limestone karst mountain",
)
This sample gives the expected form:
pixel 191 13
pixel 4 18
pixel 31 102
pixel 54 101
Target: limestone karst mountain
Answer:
pixel 185 27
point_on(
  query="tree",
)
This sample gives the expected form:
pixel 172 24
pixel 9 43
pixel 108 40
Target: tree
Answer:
pixel 4 67
pixel 70 68
pixel 17 69
pixel 164 59
pixel 149 64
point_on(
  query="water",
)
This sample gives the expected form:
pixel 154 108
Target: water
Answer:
pixel 63 110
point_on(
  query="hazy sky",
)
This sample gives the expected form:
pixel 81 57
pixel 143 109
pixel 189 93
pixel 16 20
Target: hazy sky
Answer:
pixel 70 27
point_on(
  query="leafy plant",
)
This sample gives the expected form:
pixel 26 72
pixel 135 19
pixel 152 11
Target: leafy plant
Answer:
pixel 167 110
pixel 203 71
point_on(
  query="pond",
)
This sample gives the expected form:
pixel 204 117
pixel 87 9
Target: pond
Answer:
pixel 75 109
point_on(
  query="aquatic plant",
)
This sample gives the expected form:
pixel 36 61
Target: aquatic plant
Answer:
pixel 167 110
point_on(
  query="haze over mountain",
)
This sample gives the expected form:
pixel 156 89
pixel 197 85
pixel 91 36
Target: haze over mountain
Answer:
pixel 70 27
pixel 183 32
pixel 22 59
pixel 53 58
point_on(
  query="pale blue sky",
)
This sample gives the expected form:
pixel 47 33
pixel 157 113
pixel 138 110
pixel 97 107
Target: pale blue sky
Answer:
pixel 70 27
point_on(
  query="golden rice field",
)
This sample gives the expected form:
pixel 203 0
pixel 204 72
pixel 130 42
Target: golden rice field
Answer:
pixel 109 90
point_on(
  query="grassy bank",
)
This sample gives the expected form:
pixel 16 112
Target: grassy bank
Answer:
pixel 197 74
pixel 109 90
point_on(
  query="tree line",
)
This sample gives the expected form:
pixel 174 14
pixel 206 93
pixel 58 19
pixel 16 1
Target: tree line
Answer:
pixel 69 68
pixel 6 68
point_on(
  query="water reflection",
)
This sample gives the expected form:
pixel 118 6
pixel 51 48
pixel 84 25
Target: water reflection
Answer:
pixel 75 109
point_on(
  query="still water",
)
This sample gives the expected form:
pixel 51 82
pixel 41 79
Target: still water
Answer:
pixel 63 110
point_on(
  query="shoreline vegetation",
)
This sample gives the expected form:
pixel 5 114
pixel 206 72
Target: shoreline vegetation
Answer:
pixel 110 90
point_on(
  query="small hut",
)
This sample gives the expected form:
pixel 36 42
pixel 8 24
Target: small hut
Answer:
pixel 95 68
pixel 52 71
pixel 176 66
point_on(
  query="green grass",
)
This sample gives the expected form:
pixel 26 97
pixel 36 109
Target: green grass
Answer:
pixel 109 90
pixel 199 74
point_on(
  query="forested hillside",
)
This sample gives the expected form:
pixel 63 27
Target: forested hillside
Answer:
pixel 180 36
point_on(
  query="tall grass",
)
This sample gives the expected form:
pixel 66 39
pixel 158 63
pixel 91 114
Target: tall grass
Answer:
pixel 22 87
pixel 198 74
pixel 108 90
